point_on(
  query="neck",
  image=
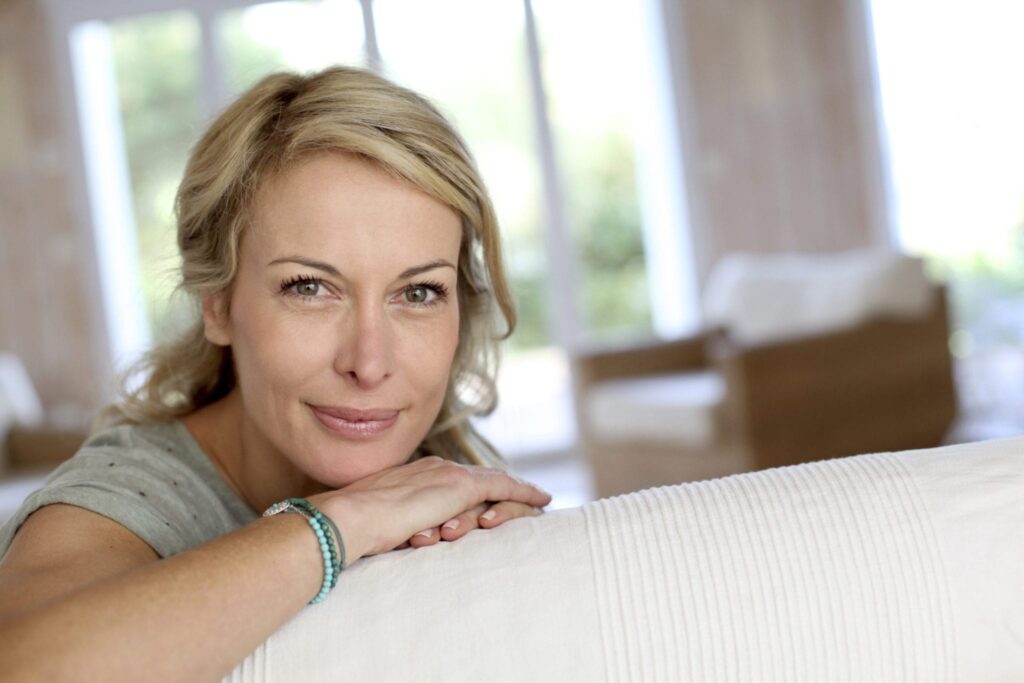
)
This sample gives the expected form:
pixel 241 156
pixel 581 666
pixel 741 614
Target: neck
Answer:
pixel 259 473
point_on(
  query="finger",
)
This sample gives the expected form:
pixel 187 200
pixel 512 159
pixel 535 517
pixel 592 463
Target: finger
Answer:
pixel 425 538
pixel 501 486
pixel 503 511
pixel 493 483
pixel 460 525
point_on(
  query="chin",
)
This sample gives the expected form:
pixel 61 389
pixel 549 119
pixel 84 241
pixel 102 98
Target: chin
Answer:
pixel 337 467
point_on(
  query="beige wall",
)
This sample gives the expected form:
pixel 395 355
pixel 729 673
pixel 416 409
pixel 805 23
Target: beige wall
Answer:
pixel 49 300
pixel 781 140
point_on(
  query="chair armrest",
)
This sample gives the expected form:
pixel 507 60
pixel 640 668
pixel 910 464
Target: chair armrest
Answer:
pixel 26 447
pixel 653 358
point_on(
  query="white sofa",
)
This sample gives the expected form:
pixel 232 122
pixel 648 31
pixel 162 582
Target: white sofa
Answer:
pixel 888 567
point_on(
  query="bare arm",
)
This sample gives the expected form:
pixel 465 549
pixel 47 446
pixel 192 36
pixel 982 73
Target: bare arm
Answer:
pixel 116 613
pixel 81 598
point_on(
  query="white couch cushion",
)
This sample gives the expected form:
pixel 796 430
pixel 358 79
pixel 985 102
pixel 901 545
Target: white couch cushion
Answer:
pixel 673 408
pixel 889 567
pixel 768 297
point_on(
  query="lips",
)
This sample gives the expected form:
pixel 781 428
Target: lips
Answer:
pixel 355 423
pixel 356 415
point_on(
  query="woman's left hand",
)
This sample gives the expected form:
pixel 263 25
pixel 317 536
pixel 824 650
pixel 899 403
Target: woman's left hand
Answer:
pixel 483 516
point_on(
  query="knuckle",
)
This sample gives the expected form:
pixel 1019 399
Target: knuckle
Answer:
pixel 457 473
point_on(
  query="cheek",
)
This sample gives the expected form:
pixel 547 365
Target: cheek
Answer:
pixel 274 351
pixel 428 353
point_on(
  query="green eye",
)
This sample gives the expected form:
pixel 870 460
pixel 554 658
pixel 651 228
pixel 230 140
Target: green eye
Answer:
pixel 303 287
pixel 417 295
pixel 424 294
pixel 307 288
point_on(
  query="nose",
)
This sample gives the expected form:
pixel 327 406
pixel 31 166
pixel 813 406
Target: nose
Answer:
pixel 365 354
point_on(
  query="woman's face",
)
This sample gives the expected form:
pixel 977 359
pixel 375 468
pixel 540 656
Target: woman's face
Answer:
pixel 343 317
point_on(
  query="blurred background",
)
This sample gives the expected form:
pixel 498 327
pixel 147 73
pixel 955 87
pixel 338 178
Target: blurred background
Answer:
pixel 628 145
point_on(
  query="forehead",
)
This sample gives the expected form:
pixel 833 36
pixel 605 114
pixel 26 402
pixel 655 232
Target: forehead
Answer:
pixel 341 207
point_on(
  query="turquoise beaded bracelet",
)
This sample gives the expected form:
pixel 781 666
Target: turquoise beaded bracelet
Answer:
pixel 338 558
pixel 327 534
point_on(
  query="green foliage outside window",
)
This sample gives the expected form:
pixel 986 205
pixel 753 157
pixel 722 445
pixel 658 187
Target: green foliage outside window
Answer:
pixel 987 289
pixel 157 69
pixel 609 240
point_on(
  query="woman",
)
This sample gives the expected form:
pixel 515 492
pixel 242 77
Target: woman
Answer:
pixel 346 260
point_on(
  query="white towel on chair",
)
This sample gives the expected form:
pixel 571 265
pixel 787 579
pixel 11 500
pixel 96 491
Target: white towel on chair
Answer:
pixel 889 567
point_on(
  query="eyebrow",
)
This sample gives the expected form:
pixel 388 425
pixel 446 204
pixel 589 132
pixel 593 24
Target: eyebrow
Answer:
pixel 328 268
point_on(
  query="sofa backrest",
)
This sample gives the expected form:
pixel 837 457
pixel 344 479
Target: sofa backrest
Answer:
pixel 895 566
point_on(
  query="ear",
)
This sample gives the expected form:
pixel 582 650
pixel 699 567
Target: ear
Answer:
pixel 217 319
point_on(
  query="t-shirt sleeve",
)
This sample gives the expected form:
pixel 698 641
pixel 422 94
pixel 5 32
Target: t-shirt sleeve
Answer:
pixel 162 502
pixel 114 504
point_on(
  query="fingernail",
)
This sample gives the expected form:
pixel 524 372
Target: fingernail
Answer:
pixel 489 515
pixel 451 524
pixel 425 534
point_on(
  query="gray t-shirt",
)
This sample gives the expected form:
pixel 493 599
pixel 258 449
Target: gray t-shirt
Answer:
pixel 153 479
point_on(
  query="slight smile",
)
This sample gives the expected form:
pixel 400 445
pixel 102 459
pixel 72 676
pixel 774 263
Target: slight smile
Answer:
pixel 353 423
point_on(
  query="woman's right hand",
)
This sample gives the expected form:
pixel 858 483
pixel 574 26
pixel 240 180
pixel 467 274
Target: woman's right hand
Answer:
pixel 384 510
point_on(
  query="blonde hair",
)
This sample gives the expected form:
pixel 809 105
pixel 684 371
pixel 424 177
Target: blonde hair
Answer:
pixel 286 117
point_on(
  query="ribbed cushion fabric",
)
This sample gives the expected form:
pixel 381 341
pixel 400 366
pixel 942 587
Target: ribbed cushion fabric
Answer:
pixel 888 567
pixel 826 573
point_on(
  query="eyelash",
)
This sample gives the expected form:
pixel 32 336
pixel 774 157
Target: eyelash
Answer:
pixel 437 288
pixel 287 286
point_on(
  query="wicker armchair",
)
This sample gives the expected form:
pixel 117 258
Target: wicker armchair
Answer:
pixel 885 384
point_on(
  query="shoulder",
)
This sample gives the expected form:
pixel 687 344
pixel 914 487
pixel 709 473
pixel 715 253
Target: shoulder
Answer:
pixel 151 478
pixel 150 464
pixel 158 451
pixel 61 547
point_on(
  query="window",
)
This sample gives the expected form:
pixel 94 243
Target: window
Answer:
pixel 595 97
pixel 259 39
pixel 949 76
pixel 156 66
